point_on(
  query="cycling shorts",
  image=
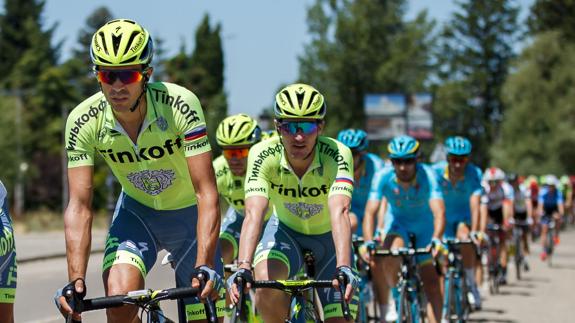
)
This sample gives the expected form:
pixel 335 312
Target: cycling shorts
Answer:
pixel 452 223
pixel 281 243
pixel 520 216
pixel 8 266
pixel 496 216
pixel 138 233
pixel 423 232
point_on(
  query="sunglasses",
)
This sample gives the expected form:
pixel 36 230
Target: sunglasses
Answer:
pixel 457 159
pixel 403 161
pixel 125 76
pixel 237 153
pixel 292 127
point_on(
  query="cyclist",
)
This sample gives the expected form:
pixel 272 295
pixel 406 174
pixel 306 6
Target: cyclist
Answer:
pixel 522 213
pixel 235 135
pixel 414 206
pixel 460 182
pixel 308 179
pixel 497 208
pixel 567 190
pixel 550 207
pixel 7 261
pixel 363 209
pixel 153 137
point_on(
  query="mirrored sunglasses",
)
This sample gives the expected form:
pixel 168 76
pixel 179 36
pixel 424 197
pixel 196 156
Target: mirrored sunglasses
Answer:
pixel 292 127
pixel 125 76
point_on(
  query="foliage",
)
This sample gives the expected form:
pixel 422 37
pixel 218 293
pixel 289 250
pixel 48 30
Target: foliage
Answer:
pixel 537 132
pixel 473 60
pixel 549 15
pixel 362 46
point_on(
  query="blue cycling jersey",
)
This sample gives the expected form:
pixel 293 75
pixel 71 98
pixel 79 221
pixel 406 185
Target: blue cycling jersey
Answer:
pixel 457 196
pixel 457 207
pixel 372 164
pixel 550 199
pixel 409 206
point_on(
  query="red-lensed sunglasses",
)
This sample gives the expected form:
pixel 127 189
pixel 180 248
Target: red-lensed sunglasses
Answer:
pixel 125 76
pixel 457 159
pixel 237 153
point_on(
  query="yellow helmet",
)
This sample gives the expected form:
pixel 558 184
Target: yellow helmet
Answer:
pixel 299 101
pixel 238 130
pixel 121 42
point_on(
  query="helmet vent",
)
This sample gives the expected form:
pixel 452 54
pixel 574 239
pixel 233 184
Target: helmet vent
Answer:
pixel 104 45
pixel 116 43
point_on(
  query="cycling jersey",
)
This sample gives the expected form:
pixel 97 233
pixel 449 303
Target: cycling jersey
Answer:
pixel 519 196
pixel 550 199
pixel 457 207
pixel 300 203
pixel 372 164
pixel 8 266
pixel 494 198
pixel 408 210
pixel 230 186
pixel 153 170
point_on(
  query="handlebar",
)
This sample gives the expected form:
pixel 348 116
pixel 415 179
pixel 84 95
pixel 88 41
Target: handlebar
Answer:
pixel 400 252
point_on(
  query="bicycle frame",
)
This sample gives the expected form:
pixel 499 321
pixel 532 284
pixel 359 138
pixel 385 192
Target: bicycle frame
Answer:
pixel 493 232
pixel 455 298
pixel 411 303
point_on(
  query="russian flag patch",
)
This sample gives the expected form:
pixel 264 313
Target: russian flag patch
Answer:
pixel 195 133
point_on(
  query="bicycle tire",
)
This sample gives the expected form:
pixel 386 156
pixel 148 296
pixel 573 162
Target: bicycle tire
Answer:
pixel 404 314
pixel 518 255
pixel 448 297
pixel 464 306
pixel 550 246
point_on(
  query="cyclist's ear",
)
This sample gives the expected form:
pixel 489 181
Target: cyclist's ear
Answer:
pixel 320 125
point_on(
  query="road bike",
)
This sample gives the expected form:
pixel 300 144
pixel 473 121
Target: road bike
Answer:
pixel 456 306
pixel 520 229
pixel 494 233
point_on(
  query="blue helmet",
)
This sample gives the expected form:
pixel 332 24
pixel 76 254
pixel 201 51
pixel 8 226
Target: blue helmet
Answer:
pixel 457 145
pixel 403 147
pixel 353 138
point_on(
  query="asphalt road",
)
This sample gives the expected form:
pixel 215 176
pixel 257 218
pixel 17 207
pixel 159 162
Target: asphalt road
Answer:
pixel 544 294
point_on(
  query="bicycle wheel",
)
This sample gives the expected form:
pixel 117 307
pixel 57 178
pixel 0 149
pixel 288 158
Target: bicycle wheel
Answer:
pixel 448 301
pixel 518 254
pixel 404 314
pixel 550 245
pixel 464 308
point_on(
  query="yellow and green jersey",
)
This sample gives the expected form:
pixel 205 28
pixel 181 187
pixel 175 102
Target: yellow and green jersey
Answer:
pixel 300 203
pixel 153 170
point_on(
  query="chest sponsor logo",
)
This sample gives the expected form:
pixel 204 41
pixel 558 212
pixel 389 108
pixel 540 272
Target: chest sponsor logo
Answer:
pixel 300 191
pixel 144 153
pixel 302 210
pixel 153 182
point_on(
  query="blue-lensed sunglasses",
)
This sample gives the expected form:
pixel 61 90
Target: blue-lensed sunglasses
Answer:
pixel 292 127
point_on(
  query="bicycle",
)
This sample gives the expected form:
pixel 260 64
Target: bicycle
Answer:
pixel 456 306
pixel 365 313
pixel 304 301
pixel 146 299
pixel 494 231
pixel 411 303
pixel 519 230
pixel 549 241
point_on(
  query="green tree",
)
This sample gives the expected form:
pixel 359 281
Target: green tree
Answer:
pixel 203 73
pixel 549 15
pixel 362 46
pixel 537 131
pixel 473 60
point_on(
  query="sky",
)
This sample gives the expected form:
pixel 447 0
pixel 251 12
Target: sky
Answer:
pixel 262 39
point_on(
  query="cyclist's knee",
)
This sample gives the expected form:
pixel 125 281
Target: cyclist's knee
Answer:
pixel 227 251
pixel 271 269
pixel 462 231
pixel 121 279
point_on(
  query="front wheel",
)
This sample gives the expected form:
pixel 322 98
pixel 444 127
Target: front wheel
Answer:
pixel 448 298
pixel 404 313
pixel 518 256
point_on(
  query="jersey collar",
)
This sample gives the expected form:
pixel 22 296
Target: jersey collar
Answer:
pixel 316 163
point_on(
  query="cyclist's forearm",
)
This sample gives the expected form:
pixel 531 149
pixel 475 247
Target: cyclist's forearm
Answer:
pixel 340 229
pixel 251 229
pixel 438 209
pixel 475 213
pixel 208 227
pixel 78 232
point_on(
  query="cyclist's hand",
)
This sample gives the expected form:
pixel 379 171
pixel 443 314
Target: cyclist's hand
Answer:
pixel 209 280
pixel 477 237
pixel 438 248
pixel 246 275
pixel 351 281
pixel 67 298
pixel 366 249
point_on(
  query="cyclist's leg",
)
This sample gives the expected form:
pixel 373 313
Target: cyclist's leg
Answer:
pixel 277 256
pixel 429 276
pixel 395 237
pixel 323 249
pixel 230 235
pixel 7 266
pixel 544 221
pixel 469 257
pixel 175 231
pixel 130 254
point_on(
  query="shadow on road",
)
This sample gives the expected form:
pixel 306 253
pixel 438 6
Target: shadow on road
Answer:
pixel 518 293
pixel 563 266
pixel 521 284
pixel 536 279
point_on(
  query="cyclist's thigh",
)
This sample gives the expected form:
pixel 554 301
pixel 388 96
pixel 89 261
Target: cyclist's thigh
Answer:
pixel 175 231
pixel 429 277
pixel 323 249
pixel 8 266
pixel 453 223
pixel 463 231
pixel 423 231
pixel 231 228
pixel 277 243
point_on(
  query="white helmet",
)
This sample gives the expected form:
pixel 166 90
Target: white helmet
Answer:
pixel 493 174
pixel 550 180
